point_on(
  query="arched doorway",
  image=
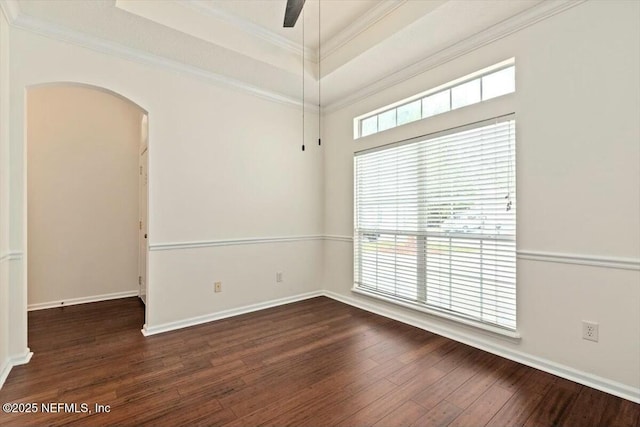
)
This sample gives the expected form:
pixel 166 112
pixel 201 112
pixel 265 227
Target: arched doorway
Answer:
pixel 86 195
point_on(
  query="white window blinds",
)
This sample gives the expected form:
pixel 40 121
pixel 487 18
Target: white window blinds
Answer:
pixel 435 222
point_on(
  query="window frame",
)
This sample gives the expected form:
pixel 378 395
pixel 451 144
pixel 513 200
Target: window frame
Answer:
pixel 423 306
pixel 449 86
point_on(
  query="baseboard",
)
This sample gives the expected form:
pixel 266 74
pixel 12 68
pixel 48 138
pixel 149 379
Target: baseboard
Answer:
pixel 5 369
pixel 22 359
pixel 198 320
pixel 82 300
pixel 475 340
pixel 10 362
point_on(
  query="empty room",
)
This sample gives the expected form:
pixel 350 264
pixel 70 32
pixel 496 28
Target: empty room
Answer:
pixel 320 212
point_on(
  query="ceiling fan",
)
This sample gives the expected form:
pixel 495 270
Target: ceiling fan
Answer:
pixel 292 12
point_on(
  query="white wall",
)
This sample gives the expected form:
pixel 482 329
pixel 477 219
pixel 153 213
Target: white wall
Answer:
pixel 82 179
pixel 4 167
pixel 578 153
pixel 224 166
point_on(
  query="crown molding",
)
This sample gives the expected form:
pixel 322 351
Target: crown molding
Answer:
pixel 373 15
pixel 535 14
pixel 60 33
pixel 252 29
pixel 531 16
pixel 10 9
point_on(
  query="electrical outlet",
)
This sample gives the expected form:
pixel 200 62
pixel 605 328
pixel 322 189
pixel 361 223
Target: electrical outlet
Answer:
pixel 217 287
pixel 590 331
pixel 279 277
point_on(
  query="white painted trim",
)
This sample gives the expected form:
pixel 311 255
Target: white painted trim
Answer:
pixel 338 238
pixel 5 371
pixel 590 260
pixel 564 258
pixel 530 16
pixel 360 24
pixel 10 362
pixel 22 359
pixel 497 332
pixel 373 15
pixel 252 29
pixel 82 300
pixel 476 340
pixel 11 256
pixel 56 32
pixel 231 242
pixel 537 13
pixel 244 241
pixel 198 320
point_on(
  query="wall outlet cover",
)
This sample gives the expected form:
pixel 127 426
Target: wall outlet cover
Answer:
pixel 590 330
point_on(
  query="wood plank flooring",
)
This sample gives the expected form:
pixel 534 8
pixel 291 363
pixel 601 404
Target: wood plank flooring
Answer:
pixel 313 363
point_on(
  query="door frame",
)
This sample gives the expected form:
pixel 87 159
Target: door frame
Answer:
pixel 25 260
pixel 143 212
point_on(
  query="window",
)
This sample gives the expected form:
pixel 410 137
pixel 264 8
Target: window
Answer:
pixel 409 112
pixel 465 94
pixel 481 86
pixel 436 104
pixel 435 223
pixel 370 126
pixel 386 120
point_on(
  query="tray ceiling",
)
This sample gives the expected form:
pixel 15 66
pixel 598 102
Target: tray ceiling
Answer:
pixel 361 41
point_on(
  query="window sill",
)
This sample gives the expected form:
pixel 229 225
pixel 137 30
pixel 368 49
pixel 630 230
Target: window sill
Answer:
pixel 494 330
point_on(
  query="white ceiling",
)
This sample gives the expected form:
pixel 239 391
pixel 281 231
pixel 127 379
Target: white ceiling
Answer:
pixel 335 15
pixel 362 41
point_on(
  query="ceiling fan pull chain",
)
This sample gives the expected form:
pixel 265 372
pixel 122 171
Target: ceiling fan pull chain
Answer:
pixel 319 78
pixel 303 80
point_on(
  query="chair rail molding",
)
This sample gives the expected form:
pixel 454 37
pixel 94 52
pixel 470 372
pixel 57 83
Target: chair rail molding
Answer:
pixel 580 259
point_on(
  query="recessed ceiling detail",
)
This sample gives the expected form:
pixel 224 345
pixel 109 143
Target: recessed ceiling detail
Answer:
pixel 364 42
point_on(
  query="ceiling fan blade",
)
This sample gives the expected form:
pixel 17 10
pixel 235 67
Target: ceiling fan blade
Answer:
pixel 292 12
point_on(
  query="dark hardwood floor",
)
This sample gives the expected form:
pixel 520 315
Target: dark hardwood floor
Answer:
pixel 317 362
